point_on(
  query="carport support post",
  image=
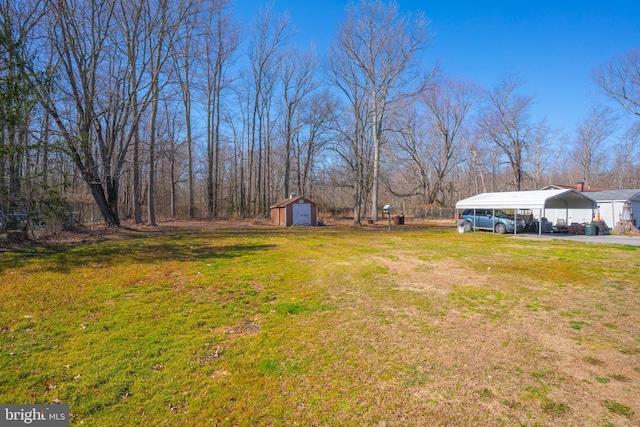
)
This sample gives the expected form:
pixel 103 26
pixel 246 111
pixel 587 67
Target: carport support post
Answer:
pixel 493 221
pixel 540 224
pixel 515 221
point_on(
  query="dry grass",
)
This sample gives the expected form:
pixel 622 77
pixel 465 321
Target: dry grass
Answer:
pixel 499 348
pixel 250 324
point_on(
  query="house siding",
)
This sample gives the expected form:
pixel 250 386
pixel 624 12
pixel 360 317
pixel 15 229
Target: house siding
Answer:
pixel 610 204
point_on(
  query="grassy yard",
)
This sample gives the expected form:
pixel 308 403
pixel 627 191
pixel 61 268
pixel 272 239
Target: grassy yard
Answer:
pixel 257 325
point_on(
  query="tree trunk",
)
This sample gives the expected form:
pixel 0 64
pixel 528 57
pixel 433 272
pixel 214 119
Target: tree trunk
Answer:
pixel 287 152
pixel 137 209
pixel 105 206
pixel 216 155
pixel 376 168
pixel 151 212
pixel 210 157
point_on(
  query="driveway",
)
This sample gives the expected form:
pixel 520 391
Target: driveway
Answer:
pixel 610 240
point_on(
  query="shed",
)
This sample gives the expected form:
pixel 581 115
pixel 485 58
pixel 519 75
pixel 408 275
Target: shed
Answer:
pixel 296 210
pixel 540 200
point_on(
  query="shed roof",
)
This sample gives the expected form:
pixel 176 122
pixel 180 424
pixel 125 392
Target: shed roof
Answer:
pixel 539 199
pixel 285 202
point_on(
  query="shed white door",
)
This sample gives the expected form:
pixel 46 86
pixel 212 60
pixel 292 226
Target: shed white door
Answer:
pixel 301 214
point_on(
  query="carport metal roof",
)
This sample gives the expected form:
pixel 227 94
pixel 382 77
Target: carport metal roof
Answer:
pixel 540 199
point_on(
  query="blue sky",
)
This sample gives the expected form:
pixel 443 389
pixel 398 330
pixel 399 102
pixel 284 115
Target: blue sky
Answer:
pixel 551 45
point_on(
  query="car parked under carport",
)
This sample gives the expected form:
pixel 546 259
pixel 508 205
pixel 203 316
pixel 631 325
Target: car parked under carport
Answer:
pixel 490 220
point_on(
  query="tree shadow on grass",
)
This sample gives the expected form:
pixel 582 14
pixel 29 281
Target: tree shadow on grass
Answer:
pixel 135 249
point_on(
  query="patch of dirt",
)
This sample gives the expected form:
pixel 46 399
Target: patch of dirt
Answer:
pixel 539 352
pixel 245 327
pixel 413 274
pixel 210 357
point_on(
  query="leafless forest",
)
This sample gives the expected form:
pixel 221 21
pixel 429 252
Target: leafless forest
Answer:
pixel 158 109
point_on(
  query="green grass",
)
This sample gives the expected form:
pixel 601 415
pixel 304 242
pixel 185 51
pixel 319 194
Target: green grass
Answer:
pixel 577 325
pixel 321 326
pixel 618 408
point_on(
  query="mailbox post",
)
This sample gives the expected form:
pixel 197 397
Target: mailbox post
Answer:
pixel 388 209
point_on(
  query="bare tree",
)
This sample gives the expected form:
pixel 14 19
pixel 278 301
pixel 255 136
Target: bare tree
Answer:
pixel 17 103
pixel 476 166
pixel 297 83
pixel 383 46
pixel 148 28
pixel 241 144
pixel 540 154
pixel 449 104
pixel 168 130
pixel 79 36
pixel 99 95
pixel 504 121
pixel 221 43
pixel 128 16
pixel 627 152
pixel 620 80
pixel 185 54
pixel 164 20
pixel 312 137
pixel 352 142
pixel 269 34
pixel 592 132
pixel 414 149
pixel 124 110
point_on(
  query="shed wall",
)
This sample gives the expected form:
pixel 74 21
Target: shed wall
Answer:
pixel 288 222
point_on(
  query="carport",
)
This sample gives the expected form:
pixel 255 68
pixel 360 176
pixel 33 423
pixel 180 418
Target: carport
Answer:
pixel 539 200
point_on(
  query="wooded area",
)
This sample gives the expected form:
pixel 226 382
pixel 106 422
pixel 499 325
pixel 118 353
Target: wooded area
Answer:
pixel 149 109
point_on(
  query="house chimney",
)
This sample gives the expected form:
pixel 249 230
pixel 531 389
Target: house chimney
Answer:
pixel 580 187
pixel 292 196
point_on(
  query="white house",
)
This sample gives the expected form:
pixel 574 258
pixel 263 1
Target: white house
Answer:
pixel 610 205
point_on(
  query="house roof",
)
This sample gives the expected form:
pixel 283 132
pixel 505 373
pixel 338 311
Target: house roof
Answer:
pixel 285 202
pixel 587 189
pixel 539 199
pixel 618 195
